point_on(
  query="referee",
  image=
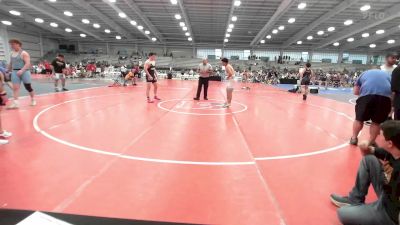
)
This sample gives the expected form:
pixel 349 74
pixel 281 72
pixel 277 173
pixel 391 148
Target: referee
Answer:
pixel 205 70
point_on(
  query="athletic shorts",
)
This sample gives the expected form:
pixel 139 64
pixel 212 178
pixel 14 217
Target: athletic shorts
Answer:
pixel 24 78
pixel 154 80
pixel 58 76
pixel 305 81
pixel 230 84
pixel 373 107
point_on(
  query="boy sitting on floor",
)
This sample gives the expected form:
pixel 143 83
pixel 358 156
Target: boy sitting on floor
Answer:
pixel 381 168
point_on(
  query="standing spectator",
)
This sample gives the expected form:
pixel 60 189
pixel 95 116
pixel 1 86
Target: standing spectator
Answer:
pixel 59 67
pixel 390 63
pixel 374 103
pixel 396 93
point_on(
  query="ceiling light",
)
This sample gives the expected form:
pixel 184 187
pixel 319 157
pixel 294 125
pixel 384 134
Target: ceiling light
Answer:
pixel 15 13
pixel 372 45
pixel 302 5
pixel 331 29
pixel 68 13
pixel 365 8
pixel 299 42
pixel 39 20
pixel 309 37
pixel 147 32
pixel 190 39
pixel 237 3
pixel 140 27
pixel 380 31
pixel 53 24
pixel 182 24
pixel 275 31
pixel 292 20
pixel 174 2
pixel 82 35
pixel 262 41
pixel 154 39
pixel 226 40
pixel 365 35
pixel 231 26
pixel 336 44
pixel 133 23
pixel 281 27
pixel 229 30
pixel 118 37
pixel 269 37
pixel 321 32
pixel 96 25
pixel 122 15
pixel 68 30
pixel 227 35
pixel 348 22
pixel 52 0
pixel 187 34
pixel 234 18
pixel 112 1
pixel 350 39
pixel 85 21
pixel 107 31
pixel 391 41
pixel 178 17
pixel 5 22
pixel 184 28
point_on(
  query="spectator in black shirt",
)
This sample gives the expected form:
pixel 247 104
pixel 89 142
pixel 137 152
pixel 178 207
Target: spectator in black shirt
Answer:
pixel 58 66
pixel 381 168
pixel 396 92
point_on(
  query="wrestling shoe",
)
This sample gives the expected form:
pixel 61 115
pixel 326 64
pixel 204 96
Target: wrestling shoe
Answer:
pixel 3 142
pixel 354 141
pixel 33 102
pixel 226 105
pixel 13 105
pixel 196 99
pixel 157 98
pixel 340 201
pixel 5 134
pixel 149 100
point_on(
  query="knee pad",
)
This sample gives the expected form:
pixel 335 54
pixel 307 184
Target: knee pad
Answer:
pixel 3 99
pixel 28 87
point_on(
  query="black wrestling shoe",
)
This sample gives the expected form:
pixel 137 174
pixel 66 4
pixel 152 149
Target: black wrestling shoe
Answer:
pixel 304 97
pixel 206 98
pixel 354 141
pixel 64 89
pixel 340 201
pixel 196 99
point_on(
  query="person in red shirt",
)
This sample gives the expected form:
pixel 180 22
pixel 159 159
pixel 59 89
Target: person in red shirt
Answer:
pixel 47 67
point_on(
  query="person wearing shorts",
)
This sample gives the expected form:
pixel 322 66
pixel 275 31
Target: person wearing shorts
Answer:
pixel 3 100
pixel 20 64
pixel 230 72
pixel 58 67
pixel 151 76
pixel 305 77
pixel 374 103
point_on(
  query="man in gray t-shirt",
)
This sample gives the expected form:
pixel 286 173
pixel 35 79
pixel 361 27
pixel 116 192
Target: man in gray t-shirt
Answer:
pixel 205 70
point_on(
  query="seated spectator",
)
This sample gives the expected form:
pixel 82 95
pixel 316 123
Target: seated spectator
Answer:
pixel 381 168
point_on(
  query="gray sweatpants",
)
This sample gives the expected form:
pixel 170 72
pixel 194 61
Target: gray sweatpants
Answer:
pixel 369 172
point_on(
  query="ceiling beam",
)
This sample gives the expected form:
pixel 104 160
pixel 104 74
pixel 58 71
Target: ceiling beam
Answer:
pixel 186 18
pixel 282 9
pixel 331 13
pixel 229 19
pixel 389 14
pixel 145 20
pixel 29 19
pixel 104 18
pixel 371 39
pixel 394 47
pixel 46 10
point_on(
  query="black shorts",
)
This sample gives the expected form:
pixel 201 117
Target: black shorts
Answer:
pixel 154 80
pixel 305 81
pixel 373 107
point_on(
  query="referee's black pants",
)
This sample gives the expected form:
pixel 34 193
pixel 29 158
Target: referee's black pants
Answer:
pixel 202 81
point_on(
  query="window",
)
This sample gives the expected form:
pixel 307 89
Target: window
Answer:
pixel 267 54
pixel 357 59
pixel 325 57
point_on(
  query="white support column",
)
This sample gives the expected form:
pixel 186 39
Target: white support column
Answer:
pixel 369 57
pixel 340 57
pixel 41 45
pixel 194 52
pixel 4 39
pixel 310 56
pixel 107 48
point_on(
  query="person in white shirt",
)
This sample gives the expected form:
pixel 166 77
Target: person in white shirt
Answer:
pixel 230 72
pixel 205 70
pixel 390 63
